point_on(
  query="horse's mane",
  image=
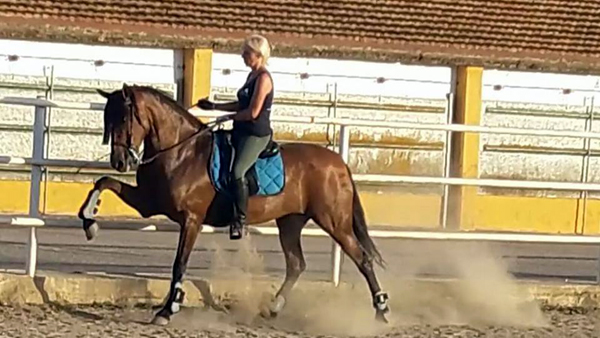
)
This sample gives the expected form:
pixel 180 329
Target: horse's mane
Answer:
pixel 169 101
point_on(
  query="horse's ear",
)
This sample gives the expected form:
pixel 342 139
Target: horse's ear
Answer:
pixel 103 93
pixel 126 91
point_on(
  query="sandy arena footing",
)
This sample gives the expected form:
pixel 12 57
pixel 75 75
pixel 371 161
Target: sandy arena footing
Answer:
pixel 69 305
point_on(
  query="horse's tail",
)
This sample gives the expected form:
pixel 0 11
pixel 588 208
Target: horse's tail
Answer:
pixel 359 225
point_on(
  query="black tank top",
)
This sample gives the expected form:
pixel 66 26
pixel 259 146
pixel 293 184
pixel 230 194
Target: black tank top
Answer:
pixel 261 126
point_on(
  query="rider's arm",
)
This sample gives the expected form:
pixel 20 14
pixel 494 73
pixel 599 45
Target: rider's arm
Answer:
pixel 228 106
pixel 263 87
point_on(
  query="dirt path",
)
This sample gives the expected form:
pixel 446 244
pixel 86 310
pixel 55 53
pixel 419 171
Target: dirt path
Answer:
pixel 487 303
pixel 51 321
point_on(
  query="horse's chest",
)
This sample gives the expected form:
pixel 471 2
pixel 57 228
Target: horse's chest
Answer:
pixel 153 184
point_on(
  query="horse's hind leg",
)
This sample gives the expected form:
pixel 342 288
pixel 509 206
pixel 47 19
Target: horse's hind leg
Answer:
pixel 129 194
pixel 341 230
pixel 290 230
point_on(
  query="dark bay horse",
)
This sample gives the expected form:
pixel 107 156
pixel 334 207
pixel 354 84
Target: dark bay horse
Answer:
pixel 172 180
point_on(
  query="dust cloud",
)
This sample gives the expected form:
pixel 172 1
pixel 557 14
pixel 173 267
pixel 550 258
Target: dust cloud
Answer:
pixel 244 268
pixel 481 294
pixel 238 302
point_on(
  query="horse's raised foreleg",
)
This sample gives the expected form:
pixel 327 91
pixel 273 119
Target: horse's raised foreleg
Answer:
pixel 290 230
pixel 187 238
pixel 131 195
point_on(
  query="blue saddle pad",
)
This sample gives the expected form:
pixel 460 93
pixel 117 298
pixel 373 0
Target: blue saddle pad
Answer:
pixel 267 174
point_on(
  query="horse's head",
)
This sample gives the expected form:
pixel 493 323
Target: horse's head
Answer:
pixel 123 125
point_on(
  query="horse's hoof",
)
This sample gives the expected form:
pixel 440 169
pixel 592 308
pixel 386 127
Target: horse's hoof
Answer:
pixel 270 307
pixel 380 317
pixel 265 312
pixel 160 320
pixel 276 306
pixel 91 229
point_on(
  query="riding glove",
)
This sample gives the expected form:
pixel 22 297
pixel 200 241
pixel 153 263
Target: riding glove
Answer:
pixel 205 104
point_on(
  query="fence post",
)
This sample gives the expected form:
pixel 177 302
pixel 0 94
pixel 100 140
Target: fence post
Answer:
pixel 32 255
pixel 447 156
pixel 336 251
pixel 467 111
pixel 39 130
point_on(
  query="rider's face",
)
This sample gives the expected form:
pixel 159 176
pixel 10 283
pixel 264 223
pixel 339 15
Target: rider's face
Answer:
pixel 251 59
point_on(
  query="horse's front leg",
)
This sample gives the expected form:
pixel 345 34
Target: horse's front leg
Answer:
pixel 187 238
pixel 132 196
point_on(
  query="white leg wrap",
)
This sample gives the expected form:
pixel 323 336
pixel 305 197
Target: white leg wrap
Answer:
pixel 176 305
pixel 381 301
pixel 88 211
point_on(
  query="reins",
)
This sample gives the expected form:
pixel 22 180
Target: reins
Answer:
pixel 137 157
pixel 197 133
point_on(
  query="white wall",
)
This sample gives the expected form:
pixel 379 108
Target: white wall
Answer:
pixel 146 65
pixel 540 88
pixel 77 61
pixel 352 77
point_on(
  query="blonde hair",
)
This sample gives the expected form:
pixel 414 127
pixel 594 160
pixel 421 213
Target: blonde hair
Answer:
pixel 259 45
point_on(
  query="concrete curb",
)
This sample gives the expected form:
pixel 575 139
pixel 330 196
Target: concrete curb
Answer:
pixel 74 289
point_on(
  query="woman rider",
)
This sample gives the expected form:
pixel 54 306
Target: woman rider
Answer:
pixel 251 123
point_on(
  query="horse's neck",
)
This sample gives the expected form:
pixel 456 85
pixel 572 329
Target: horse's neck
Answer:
pixel 168 129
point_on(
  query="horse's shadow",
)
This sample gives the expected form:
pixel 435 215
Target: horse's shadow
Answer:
pixel 81 313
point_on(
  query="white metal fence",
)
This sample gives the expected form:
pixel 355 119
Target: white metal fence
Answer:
pixel 38 161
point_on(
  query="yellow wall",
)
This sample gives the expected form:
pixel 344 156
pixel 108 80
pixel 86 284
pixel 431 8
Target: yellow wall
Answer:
pixel 62 198
pixel 489 213
pixel 66 198
pixel 401 209
pixel 529 214
pixel 14 197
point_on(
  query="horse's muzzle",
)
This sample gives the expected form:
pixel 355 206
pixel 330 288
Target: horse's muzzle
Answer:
pixel 121 166
pixel 120 162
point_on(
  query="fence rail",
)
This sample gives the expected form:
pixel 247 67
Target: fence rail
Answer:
pixel 38 162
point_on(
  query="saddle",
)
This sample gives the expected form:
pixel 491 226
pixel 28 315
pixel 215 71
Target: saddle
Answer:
pixel 266 176
pixel 270 150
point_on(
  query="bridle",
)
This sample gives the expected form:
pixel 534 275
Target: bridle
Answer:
pixel 137 157
pixel 130 108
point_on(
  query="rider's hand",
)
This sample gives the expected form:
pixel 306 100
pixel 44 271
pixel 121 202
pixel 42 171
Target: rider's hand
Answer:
pixel 205 104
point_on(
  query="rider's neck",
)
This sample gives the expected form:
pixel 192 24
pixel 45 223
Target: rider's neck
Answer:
pixel 256 68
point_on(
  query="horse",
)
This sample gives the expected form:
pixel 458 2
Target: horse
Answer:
pixel 172 179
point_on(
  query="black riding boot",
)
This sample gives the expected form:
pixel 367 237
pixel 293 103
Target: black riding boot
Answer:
pixel 240 204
